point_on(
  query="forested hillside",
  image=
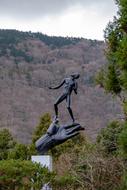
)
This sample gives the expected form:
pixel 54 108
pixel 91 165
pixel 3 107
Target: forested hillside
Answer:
pixel 30 62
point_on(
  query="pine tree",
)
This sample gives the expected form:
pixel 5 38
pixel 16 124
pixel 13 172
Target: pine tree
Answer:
pixel 115 75
pixel 42 127
pixel 7 143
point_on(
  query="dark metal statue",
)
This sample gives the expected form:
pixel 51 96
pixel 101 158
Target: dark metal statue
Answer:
pixel 56 135
pixel 70 85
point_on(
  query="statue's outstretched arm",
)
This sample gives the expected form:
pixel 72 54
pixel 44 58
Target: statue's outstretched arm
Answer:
pixel 56 87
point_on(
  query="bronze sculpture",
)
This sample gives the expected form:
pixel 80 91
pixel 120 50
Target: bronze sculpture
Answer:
pixel 70 85
pixel 56 133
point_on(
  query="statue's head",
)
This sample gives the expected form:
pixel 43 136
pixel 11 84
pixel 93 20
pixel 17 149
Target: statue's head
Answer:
pixel 75 76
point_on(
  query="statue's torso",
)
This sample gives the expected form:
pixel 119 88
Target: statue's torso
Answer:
pixel 69 85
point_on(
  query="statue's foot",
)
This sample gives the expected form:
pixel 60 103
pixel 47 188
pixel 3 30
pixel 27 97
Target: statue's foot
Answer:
pixel 74 122
pixel 56 119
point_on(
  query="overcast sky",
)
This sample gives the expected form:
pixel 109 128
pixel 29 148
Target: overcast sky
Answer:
pixel 77 18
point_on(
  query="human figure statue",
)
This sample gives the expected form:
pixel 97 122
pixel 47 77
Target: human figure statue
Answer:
pixel 56 135
pixel 70 85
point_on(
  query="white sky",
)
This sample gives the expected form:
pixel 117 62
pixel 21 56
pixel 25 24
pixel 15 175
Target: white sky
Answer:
pixel 77 18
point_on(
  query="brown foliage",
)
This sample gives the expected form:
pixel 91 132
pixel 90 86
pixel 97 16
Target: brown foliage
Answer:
pixel 91 170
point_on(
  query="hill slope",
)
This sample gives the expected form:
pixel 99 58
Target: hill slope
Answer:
pixel 30 62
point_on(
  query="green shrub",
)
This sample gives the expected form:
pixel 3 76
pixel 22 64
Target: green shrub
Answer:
pixel 23 175
pixel 7 143
pixel 108 137
pixel 20 151
pixel 123 140
pixel 42 127
pixel 65 182
pixel 124 182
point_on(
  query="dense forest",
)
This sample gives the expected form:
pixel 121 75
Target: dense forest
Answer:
pixel 9 37
pixel 79 164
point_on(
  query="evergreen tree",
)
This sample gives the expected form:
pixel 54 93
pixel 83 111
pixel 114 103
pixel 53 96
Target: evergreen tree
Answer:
pixel 42 127
pixel 20 151
pixel 7 143
pixel 115 75
pixel 23 175
pixel 108 138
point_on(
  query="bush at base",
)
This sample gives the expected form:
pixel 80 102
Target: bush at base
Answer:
pixel 23 175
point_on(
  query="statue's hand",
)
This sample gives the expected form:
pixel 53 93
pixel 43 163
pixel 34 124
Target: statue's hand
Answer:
pixel 56 135
pixel 66 132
